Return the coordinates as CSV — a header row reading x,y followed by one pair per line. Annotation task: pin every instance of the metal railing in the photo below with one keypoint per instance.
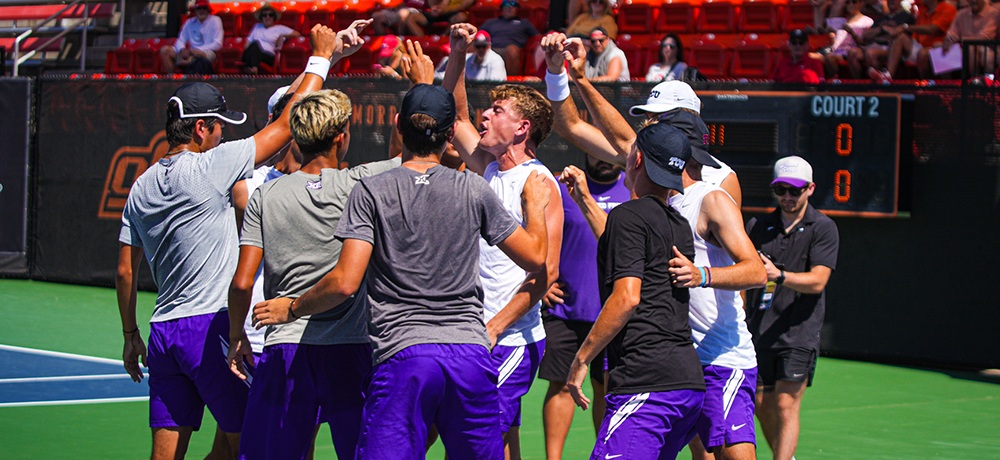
x,y
18,59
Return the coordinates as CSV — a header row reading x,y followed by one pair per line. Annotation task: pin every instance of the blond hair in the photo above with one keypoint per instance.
x,y
317,119
530,105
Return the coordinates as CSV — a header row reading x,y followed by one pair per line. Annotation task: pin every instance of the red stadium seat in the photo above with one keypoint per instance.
x,y
362,60
636,49
756,55
292,19
120,59
637,16
433,46
528,66
293,56
313,17
228,58
146,57
342,19
678,16
798,14
711,54
761,15
230,22
480,13
538,15
718,16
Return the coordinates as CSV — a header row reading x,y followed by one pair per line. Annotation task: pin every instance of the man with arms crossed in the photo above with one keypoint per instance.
x,y
786,326
503,152
179,213
725,262
655,383
416,230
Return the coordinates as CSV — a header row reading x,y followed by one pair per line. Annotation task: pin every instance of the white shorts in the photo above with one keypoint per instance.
x,y
912,58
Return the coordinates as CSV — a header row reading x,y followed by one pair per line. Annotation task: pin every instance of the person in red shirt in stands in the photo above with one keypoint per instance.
x,y
912,43
800,67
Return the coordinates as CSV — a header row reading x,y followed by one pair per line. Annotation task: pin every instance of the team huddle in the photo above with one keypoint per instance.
x,y
410,298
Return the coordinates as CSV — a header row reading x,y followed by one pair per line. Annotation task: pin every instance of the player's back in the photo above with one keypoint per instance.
x,y
180,211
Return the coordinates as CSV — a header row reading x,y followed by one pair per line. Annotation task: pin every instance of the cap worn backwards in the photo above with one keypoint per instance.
x,y
430,100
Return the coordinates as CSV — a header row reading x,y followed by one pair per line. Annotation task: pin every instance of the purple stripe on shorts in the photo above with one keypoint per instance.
x,y
727,414
653,425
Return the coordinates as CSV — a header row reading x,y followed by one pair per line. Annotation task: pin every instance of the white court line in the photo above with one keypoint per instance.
x,y
74,401
65,378
58,354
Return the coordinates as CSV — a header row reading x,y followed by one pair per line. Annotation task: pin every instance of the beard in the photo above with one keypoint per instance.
x,y
603,172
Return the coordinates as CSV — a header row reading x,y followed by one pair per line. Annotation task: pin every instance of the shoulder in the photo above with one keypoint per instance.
x,y
488,25
822,222
214,20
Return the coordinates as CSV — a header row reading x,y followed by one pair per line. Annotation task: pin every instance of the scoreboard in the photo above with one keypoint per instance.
x,y
850,139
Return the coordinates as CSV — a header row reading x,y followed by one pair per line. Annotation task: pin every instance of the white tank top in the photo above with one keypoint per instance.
x,y
718,322
715,176
501,277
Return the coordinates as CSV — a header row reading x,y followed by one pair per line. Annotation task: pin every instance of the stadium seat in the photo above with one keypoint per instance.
x,y
528,66
342,19
313,17
798,14
538,15
755,55
678,16
146,57
636,49
718,16
120,59
433,46
637,16
761,15
230,22
228,58
293,56
711,54
247,21
480,13
362,60
292,19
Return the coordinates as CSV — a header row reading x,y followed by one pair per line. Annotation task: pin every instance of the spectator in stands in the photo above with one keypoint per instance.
x,y
600,16
484,64
605,61
800,67
393,17
200,38
450,11
266,37
912,45
671,66
847,38
390,58
509,34
878,37
977,22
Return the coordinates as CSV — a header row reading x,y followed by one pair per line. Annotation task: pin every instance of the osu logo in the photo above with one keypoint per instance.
x,y
128,164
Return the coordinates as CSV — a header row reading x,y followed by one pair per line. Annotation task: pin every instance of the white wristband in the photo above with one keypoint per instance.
x,y
319,66
557,86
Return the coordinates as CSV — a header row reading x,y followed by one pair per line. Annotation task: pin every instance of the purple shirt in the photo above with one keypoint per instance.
x,y
578,261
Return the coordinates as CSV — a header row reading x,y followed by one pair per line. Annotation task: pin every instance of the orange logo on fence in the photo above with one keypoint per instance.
x,y
127,165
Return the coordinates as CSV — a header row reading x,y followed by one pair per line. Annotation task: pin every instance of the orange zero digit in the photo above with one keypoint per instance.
x,y
842,185
845,136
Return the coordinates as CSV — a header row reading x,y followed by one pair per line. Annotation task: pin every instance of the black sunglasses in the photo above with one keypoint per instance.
x,y
670,45
268,15
203,8
780,190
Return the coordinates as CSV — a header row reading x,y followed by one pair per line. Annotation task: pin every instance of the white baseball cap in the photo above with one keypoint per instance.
x,y
794,171
668,96
275,98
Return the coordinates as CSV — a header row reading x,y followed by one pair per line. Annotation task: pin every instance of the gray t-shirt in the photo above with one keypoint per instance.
x,y
180,212
293,218
423,277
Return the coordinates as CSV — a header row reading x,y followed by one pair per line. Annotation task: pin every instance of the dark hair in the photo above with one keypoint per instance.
x,y
181,130
279,107
680,47
416,141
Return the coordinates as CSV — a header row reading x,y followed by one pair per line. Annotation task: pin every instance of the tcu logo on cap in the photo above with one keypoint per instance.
x,y
655,94
676,163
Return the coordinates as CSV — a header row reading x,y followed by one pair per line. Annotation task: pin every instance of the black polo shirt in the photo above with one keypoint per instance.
x,y
794,319
654,351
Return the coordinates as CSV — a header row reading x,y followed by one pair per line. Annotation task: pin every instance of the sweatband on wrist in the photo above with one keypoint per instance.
x,y
290,312
704,277
557,86
319,66
709,271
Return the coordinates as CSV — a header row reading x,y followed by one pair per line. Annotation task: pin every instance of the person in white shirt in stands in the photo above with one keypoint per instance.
x,y
484,64
605,61
265,39
671,65
195,48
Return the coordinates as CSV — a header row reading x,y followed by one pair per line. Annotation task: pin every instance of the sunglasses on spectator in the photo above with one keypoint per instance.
x,y
203,8
780,190
268,15
672,46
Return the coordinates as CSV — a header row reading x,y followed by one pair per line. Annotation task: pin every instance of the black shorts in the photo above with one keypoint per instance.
x,y
791,364
562,340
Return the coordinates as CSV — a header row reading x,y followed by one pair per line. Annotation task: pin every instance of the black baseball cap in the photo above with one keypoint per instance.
x,y
666,151
697,133
430,100
798,35
201,100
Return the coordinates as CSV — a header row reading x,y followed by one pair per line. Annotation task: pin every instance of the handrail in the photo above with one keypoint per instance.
x,y
18,59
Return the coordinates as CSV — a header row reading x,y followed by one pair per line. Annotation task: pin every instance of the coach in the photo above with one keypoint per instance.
x,y
798,246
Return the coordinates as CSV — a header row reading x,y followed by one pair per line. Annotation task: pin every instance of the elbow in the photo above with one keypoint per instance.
x,y
816,288
241,287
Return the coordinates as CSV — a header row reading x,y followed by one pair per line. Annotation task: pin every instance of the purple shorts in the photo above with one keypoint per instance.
x,y
452,386
648,425
188,369
727,414
517,367
293,381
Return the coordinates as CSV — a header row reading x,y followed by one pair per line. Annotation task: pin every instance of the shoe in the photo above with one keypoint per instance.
x,y
879,76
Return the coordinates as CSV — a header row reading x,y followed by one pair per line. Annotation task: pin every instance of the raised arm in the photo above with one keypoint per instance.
x,y
568,123
607,119
536,284
126,287
528,246
326,45
466,140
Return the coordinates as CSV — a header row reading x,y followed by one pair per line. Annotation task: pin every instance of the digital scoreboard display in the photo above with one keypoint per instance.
x,y
850,139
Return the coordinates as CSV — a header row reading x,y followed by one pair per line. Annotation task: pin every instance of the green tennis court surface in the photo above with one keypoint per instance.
x,y
854,410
